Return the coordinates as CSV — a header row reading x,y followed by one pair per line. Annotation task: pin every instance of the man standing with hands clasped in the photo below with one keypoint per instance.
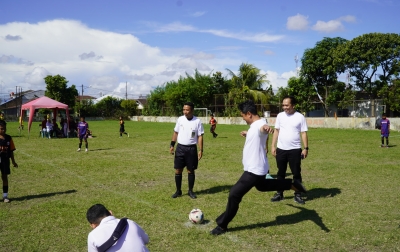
x,y
290,125
188,132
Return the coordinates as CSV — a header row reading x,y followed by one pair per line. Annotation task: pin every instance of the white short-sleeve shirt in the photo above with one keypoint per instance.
x,y
254,158
134,238
290,126
188,130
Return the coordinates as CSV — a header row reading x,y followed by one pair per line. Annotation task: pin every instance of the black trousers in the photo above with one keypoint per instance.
x,y
243,185
293,157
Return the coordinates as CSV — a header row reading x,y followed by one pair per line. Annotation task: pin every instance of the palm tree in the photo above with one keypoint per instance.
x,y
247,84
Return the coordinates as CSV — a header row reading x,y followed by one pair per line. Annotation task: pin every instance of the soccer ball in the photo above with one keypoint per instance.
x,y
196,216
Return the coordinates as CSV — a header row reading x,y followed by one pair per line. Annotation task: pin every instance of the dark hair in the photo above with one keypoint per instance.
x,y
82,116
248,106
383,114
96,213
3,124
291,98
190,104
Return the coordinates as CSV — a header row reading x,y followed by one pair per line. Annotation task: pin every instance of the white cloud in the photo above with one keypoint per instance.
x,y
328,27
297,23
269,52
35,78
73,50
333,25
252,37
278,80
197,14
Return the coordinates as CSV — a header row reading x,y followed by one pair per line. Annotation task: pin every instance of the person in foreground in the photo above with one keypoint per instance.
x,y
188,132
7,149
133,238
290,125
255,165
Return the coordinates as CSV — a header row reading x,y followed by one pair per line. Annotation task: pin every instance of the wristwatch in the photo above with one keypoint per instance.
x,y
306,148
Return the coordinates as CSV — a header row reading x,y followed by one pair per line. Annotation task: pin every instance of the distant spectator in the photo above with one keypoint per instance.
x,y
49,128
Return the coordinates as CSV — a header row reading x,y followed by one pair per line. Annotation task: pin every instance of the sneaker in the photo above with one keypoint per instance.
x,y
86,150
6,200
269,176
128,134
299,186
191,194
387,146
277,197
79,149
298,199
218,231
177,194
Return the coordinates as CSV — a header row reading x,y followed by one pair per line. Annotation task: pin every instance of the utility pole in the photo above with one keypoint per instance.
x,y
296,59
126,90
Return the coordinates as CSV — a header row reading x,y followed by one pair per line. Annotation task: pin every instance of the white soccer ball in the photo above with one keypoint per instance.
x,y
196,216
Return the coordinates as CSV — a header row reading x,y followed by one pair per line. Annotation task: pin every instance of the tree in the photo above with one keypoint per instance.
x,y
109,107
368,54
391,95
56,88
317,66
129,107
247,84
303,93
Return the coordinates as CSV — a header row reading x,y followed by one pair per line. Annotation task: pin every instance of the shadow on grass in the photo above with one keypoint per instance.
x,y
317,193
100,149
303,215
216,189
44,195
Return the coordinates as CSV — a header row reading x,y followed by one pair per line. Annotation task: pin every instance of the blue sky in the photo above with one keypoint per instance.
x,y
108,45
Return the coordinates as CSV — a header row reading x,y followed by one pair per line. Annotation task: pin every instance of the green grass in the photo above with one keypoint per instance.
x,y
352,203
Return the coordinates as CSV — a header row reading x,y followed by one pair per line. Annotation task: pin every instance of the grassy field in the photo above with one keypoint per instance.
x,y
352,203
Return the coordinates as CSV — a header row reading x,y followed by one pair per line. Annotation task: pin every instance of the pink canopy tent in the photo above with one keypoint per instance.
x,y
43,102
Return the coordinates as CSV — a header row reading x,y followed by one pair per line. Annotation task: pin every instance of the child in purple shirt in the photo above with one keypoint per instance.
x,y
385,130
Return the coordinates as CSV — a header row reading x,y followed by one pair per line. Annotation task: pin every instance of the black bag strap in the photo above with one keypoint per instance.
x,y
119,230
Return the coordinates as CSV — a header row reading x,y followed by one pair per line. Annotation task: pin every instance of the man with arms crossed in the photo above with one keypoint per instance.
x,y
188,132
289,126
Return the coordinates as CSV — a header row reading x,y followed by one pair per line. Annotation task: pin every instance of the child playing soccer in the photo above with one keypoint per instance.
x,y
385,130
83,130
122,127
6,153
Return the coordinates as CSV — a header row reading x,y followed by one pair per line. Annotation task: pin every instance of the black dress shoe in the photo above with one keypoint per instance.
x,y
192,195
177,194
298,199
277,197
218,231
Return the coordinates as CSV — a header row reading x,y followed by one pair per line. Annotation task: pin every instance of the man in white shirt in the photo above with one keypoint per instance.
x,y
255,166
290,125
189,133
133,239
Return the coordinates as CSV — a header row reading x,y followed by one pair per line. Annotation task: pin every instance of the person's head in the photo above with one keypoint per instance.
x,y
120,118
3,127
212,116
96,213
82,118
248,111
288,104
188,108
383,115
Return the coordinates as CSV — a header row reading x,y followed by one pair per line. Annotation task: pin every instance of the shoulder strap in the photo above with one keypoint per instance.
x,y
119,230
